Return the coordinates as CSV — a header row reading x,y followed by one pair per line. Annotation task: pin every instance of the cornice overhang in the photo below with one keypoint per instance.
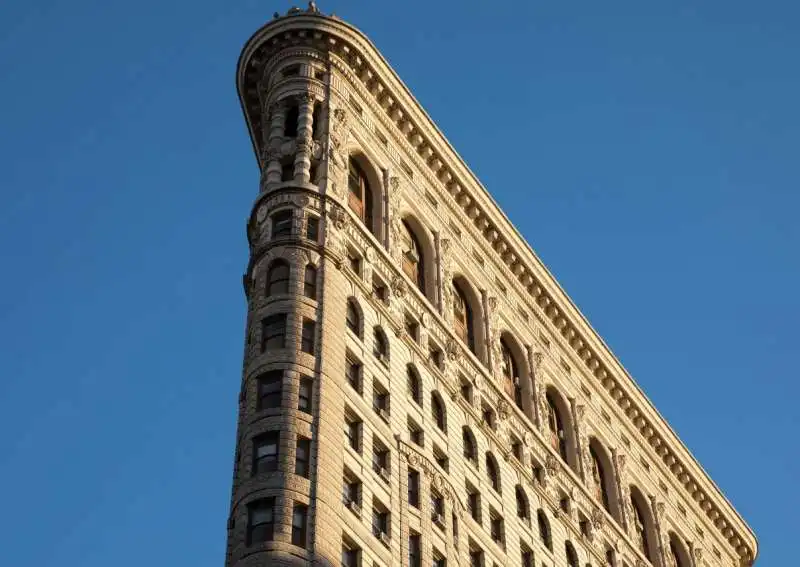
x,y
453,175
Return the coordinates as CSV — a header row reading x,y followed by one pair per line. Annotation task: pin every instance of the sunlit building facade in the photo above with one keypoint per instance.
x,y
417,389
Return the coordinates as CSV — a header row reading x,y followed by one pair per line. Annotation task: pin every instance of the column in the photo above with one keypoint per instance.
x,y
272,162
578,426
304,142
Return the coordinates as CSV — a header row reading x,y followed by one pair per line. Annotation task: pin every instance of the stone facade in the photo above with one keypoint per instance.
x,y
416,386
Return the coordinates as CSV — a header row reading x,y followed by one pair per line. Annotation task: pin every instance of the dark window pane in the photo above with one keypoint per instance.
x,y
282,224
273,332
304,395
270,390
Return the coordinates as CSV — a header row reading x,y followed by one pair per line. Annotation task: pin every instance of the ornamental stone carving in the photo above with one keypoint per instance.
x,y
598,518
399,287
453,350
447,279
339,217
551,465
503,410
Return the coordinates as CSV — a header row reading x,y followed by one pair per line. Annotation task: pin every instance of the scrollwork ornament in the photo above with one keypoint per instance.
x,y
698,553
551,465
598,518
503,410
538,357
399,287
453,350
339,217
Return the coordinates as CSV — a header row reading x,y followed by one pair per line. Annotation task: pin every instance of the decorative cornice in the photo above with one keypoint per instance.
x,y
451,175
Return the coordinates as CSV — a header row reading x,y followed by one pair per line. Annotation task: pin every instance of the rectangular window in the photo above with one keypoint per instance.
x,y
351,555
353,371
497,528
260,521
273,332
475,555
270,389
474,503
414,550
265,452
438,559
352,433
415,433
516,449
299,524
413,488
380,521
351,491
312,228
526,556
304,394
302,456
436,356
307,339
379,289
441,458
282,223
380,401
310,282
466,390
355,264
380,459
316,113
437,509
412,328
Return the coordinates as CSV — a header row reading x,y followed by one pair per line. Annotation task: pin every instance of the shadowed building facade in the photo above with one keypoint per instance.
x,y
417,389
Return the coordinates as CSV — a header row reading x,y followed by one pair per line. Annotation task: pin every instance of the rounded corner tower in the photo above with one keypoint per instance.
x,y
417,389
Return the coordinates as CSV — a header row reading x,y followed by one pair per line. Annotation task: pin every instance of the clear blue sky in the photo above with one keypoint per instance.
x,y
647,150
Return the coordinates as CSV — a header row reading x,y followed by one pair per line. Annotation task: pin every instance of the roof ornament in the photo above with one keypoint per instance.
x,y
312,8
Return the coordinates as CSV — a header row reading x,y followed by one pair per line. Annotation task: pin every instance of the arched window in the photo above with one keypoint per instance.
x,y
572,556
493,472
511,379
310,282
470,446
413,258
278,278
414,386
640,526
353,319
677,555
462,317
523,509
438,412
359,193
544,529
558,436
599,478
380,346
